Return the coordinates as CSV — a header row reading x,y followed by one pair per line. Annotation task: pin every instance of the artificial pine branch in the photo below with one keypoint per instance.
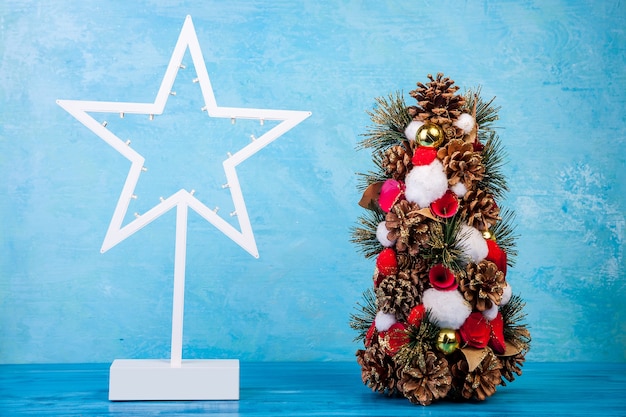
x,y
390,117
421,339
494,159
515,331
365,235
371,177
365,315
445,245
486,111
504,231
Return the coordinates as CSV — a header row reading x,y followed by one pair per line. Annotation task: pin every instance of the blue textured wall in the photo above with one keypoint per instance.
x,y
556,67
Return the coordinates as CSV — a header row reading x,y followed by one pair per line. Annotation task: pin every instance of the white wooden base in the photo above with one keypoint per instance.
x,y
155,379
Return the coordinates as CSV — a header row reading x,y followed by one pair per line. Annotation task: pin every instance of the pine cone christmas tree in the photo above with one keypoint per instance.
x,y
441,322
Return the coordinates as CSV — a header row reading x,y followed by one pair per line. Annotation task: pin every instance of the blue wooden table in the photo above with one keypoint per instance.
x,y
315,389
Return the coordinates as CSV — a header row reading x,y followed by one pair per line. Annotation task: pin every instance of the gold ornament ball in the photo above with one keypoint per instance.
x,y
487,234
448,340
429,134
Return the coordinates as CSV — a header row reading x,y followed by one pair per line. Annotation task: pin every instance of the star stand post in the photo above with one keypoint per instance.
x,y
175,378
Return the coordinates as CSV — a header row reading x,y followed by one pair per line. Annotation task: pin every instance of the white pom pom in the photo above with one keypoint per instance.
x,y
459,189
426,183
506,295
472,243
465,122
411,129
384,321
381,235
491,313
447,308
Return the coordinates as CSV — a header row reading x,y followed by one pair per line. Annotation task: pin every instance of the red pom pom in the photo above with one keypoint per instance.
x,y
386,262
478,146
394,338
496,340
441,278
496,255
445,206
424,155
416,315
390,192
476,330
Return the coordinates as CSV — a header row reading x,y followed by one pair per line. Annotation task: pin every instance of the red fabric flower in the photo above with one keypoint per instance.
x,y
476,331
496,255
445,206
416,315
390,192
394,338
424,155
386,262
441,278
496,340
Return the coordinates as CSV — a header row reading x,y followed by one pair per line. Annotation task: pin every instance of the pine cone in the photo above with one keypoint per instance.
x,y
425,379
482,285
437,99
378,371
397,296
462,163
396,162
511,365
414,269
480,209
481,382
408,227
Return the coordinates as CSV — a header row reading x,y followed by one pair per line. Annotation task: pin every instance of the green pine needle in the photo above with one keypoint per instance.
x,y
515,331
504,232
445,245
494,159
371,177
365,235
365,314
390,117
486,111
421,339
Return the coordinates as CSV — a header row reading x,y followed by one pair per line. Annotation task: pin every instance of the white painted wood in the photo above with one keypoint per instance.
x,y
156,379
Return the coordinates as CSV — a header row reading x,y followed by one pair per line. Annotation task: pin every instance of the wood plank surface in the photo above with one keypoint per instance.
x,y
315,389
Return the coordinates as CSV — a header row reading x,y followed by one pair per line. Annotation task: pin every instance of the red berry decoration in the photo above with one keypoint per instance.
x,y
386,262
416,315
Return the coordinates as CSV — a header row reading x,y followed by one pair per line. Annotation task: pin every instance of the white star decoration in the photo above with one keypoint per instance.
x,y
117,232
182,199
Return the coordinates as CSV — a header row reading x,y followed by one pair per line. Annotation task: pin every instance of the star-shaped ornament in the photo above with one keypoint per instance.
x,y
182,199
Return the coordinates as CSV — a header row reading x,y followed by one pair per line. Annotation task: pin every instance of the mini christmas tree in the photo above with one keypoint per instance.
x,y
441,321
